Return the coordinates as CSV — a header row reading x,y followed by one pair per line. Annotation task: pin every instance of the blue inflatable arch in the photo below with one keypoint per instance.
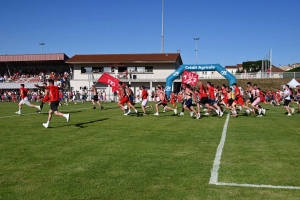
x,y
198,67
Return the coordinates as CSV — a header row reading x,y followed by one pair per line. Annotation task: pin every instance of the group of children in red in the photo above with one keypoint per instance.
x,y
51,95
210,98
217,99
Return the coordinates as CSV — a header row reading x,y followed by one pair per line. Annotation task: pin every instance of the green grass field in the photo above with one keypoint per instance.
x,y
101,154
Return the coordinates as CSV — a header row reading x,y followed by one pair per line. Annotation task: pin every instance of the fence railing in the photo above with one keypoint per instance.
x,y
206,75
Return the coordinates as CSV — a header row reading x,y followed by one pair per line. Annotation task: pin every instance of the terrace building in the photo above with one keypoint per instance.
x,y
135,69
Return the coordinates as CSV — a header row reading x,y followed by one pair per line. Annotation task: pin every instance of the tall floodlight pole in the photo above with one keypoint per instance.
x,y
162,28
42,44
196,39
271,63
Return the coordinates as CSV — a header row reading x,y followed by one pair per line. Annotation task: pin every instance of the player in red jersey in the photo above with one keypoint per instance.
x,y
203,98
54,102
123,98
173,99
144,97
212,102
24,99
46,97
238,99
124,93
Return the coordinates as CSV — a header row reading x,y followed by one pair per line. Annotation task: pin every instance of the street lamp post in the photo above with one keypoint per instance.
x,y
196,39
42,44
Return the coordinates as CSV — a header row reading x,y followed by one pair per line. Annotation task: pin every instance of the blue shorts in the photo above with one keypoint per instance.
x,y
188,102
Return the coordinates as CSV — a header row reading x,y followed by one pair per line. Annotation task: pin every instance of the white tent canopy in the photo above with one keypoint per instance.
x,y
293,83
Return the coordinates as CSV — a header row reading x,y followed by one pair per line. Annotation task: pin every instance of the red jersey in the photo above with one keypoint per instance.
x,y
203,92
53,93
237,92
23,92
211,92
13,95
179,97
144,94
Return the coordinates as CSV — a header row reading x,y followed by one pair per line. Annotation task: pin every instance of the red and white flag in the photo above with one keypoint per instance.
x,y
189,78
109,80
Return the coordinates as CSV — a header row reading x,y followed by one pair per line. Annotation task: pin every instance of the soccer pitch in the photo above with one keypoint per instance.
x,y
101,154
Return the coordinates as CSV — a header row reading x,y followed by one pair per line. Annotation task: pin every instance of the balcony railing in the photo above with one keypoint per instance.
x,y
209,75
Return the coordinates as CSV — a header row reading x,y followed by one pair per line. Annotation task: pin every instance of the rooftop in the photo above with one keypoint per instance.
x,y
126,58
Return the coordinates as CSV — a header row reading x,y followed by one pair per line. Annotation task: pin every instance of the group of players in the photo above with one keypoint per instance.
x,y
211,99
51,95
214,100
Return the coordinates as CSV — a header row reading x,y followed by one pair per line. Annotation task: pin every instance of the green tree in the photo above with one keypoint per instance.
x,y
253,66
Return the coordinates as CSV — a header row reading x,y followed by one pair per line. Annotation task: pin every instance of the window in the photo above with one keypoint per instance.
x,y
107,69
97,69
140,69
122,69
149,69
131,68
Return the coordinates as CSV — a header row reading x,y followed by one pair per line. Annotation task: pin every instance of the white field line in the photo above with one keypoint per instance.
x,y
35,113
217,162
259,186
216,166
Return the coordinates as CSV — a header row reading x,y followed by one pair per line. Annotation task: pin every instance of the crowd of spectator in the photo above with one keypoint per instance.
x,y
24,75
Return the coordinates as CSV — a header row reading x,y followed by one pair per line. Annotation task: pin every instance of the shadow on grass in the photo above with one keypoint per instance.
x,y
82,124
65,112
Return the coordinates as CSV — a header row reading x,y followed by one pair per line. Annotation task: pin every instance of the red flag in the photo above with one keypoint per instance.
x,y
109,80
189,78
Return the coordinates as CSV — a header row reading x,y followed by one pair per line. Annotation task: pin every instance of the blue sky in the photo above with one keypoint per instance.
x,y
230,31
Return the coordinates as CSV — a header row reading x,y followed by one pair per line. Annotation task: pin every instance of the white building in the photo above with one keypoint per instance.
x,y
135,69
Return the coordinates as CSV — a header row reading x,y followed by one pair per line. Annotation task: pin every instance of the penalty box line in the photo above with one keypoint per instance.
x,y
216,166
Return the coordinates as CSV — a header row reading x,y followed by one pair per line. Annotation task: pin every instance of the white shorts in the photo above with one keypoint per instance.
x,y
74,97
256,102
25,101
144,102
